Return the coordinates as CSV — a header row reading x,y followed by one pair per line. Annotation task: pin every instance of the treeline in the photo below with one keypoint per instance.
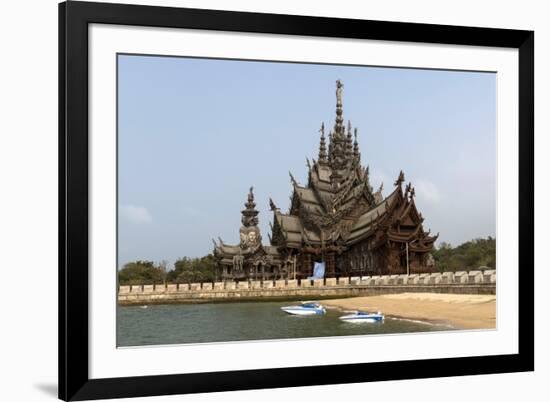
x,y
470,255
185,270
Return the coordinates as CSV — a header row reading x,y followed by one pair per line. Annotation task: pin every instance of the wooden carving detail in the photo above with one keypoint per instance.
x,y
337,217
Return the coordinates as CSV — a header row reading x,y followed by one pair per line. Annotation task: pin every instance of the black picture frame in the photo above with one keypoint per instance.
x,y
74,381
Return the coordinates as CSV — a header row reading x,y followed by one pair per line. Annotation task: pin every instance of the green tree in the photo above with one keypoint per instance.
x,y
140,273
469,255
193,270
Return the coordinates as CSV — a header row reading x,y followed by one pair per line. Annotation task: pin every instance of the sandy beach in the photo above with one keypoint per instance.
x,y
461,311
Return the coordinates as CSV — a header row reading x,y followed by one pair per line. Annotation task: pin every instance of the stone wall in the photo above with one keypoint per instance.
x,y
472,282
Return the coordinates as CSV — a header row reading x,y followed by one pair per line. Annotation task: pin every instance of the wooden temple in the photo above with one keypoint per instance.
x,y
336,218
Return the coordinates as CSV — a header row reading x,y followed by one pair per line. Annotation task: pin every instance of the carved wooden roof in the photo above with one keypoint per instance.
x,y
338,205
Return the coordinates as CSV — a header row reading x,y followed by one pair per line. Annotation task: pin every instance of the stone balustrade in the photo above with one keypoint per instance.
x,y
475,281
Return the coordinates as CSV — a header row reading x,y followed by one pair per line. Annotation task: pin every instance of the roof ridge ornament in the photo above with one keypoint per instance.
x,y
293,180
400,179
272,205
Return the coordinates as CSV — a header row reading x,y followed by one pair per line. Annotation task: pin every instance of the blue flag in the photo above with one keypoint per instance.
x,y
318,271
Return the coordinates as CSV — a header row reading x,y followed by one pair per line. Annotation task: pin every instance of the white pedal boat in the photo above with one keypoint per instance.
x,y
363,316
306,308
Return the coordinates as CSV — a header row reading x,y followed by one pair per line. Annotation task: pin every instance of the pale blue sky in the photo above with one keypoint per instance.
x,y
195,134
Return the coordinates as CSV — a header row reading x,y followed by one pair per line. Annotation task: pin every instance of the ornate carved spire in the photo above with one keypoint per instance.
x,y
408,189
322,145
250,214
400,179
330,147
356,153
339,125
349,143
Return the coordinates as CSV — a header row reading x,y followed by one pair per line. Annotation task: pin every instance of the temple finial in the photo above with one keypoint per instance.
x,y
322,145
250,201
250,214
339,125
400,179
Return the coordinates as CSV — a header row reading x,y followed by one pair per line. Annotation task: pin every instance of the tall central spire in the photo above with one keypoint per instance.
x,y
250,213
339,125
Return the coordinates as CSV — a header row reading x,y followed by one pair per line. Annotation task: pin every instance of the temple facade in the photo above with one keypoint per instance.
x,y
336,218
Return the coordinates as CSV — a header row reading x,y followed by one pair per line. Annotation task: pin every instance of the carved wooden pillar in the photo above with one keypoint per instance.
x,y
306,268
330,265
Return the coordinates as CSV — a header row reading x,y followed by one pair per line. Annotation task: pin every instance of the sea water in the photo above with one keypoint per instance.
x,y
224,322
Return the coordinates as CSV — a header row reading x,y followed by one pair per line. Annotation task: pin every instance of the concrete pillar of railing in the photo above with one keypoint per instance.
x,y
433,279
305,283
375,280
292,283
460,277
122,290
402,279
385,280
343,281
365,280
475,277
412,279
330,282
421,279
393,279
487,275
447,277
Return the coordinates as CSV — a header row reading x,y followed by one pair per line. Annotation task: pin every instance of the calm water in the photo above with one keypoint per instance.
x,y
195,323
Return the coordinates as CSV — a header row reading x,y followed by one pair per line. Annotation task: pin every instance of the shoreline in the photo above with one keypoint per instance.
x,y
460,311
